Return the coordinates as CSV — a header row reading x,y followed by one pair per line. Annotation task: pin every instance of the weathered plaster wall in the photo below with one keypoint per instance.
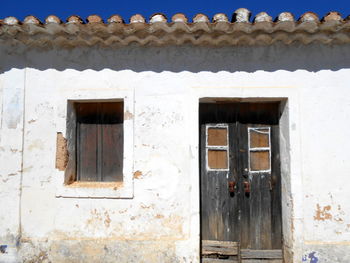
x,y
11,143
159,220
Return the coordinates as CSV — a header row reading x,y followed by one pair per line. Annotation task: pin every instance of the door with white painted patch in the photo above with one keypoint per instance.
x,y
240,183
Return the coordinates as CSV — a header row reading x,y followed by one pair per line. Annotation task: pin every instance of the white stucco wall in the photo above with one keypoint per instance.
x,y
159,220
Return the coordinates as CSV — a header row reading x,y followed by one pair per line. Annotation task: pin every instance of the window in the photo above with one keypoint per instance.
x,y
97,143
259,150
217,147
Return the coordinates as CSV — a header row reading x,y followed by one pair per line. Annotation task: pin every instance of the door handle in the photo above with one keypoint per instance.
x,y
231,186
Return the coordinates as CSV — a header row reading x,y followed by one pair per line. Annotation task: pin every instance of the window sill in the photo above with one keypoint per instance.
x,y
107,190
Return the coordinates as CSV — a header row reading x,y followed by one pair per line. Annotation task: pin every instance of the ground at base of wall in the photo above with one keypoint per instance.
x,y
162,251
93,251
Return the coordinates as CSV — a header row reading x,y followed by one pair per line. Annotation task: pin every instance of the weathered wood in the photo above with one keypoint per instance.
x,y
217,260
221,251
87,149
216,243
253,218
261,254
261,261
71,170
244,198
218,207
226,248
276,204
100,141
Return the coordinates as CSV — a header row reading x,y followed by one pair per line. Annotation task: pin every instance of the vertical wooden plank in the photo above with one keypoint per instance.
x,y
112,141
244,199
255,212
276,204
263,222
99,124
233,207
112,152
265,204
87,141
87,149
71,134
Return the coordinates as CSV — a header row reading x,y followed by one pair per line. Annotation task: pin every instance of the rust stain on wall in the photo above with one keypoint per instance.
x,y
61,152
137,174
323,213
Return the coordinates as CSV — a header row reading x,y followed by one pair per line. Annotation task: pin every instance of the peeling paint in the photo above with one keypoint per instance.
x,y
137,174
128,115
323,214
62,155
163,208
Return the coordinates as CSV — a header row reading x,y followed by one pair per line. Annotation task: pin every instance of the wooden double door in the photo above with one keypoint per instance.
x,y
240,192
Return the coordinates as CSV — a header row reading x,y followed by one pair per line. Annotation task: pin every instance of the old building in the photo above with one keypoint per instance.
x,y
158,141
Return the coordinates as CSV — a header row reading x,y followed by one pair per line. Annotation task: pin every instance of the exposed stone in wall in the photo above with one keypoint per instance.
x,y
61,152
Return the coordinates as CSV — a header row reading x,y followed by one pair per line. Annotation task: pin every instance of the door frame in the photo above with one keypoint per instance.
x,y
291,245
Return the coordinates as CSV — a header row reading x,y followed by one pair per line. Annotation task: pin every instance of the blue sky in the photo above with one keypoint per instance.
x,y
105,8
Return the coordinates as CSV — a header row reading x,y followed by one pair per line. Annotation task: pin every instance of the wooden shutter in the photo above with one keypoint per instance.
x,y
100,141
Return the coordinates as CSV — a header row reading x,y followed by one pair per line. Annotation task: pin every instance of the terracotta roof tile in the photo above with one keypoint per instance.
x,y
31,20
241,15
53,19
218,31
262,17
200,18
94,19
332,16
137,19
158,17
285,16
11,20
115,19
220,18
309,17
74,20
181,18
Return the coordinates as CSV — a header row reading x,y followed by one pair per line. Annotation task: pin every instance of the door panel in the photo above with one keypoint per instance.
x,y
241,202
218,206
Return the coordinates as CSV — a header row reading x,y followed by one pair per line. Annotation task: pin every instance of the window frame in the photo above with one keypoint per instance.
x,y
259,149
217,147
69,187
